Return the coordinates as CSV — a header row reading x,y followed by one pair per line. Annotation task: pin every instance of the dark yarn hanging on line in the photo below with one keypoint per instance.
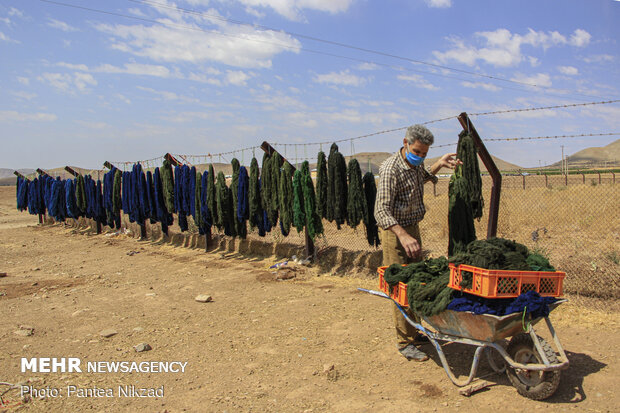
x,y
321,185
224,217
240,227
164,217
192,191
299,214
243,206
80,195
286,198
336,187
265,178
181,181
197,215
151,197
205,212
71,206
58,208
314,224
33,197
461,230
274,199
254,193
22,193
466,151
370,193
356,199
212,198
168,186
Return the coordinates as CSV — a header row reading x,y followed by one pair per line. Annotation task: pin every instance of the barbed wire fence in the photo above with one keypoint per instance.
x,y
571,219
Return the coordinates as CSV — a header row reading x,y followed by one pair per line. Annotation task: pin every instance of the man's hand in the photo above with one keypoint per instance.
x,y
410,244
447,161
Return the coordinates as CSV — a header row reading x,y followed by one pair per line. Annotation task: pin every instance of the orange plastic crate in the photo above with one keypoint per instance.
x,y
398,293
506,283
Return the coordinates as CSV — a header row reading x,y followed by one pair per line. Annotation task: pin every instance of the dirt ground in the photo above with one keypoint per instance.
x,y
312,343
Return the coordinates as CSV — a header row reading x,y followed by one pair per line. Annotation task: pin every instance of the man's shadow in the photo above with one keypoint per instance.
x,y
570,389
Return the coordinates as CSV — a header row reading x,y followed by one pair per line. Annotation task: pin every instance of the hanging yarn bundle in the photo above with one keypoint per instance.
x,y
240,227
192,191
321,185
265,179
150,192
205,214
460,216
370,192
168,185
466,151
80,195
212,197
22,193
356,199
179,198
256,209
314,224
299,215
243,202
286,198
274,186
164,217
197,210
224,218
71,206
58,207
336,187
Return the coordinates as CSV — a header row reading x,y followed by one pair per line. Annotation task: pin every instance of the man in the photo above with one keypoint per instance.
x,y
399,208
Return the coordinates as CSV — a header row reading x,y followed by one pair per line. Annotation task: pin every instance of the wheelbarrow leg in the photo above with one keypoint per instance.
x,y
446,367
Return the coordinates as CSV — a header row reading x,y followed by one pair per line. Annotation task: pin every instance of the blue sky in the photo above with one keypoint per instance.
x,y
78,87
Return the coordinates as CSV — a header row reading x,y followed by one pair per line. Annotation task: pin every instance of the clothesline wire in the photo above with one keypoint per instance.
x,y
285,145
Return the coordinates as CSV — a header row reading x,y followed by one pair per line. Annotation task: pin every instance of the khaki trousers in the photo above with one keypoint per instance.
x,y
394,253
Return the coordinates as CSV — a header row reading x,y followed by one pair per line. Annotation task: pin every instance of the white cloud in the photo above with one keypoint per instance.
x,y
15,12
5,38
166,95
501,48
486,86
539,79
212,40
533,61
580,38
237,77
123,98
439,3
568,70
92,125
11,115
68,82
293,9
24,95
5,20
344,78
60,25
600,58
135,69
418,81
23,80
72,66
367,66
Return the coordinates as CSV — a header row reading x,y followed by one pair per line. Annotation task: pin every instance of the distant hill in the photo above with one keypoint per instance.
x,y
8,173
608,155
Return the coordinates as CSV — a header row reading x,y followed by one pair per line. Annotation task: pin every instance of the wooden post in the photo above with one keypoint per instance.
x,y
613,177
71,171
523,176
599,177
546,181
583,177
493,171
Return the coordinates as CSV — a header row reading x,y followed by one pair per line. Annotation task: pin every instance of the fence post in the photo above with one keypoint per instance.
x,y
434,189
546,181
599,177
613,175
566,179
584,178
523,176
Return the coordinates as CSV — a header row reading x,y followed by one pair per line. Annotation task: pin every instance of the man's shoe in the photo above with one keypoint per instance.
x,y
413,353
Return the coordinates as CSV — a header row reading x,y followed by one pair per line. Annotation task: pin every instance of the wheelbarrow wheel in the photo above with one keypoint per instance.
x,y
536,385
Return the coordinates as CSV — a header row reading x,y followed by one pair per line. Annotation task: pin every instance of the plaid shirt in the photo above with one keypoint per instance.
x,y
400,192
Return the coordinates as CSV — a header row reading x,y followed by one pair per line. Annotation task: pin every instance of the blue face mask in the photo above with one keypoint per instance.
x,y
413,159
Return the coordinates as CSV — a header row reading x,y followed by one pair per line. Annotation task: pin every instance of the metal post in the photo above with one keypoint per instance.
x,y
523,176
546,181
493,171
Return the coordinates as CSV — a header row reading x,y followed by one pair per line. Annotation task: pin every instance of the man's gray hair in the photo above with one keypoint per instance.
x,y
419,133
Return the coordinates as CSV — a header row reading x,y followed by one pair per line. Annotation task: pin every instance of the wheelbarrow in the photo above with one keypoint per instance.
x,y
531,364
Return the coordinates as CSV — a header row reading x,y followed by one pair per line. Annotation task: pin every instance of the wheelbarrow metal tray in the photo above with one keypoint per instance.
x,y
483,327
